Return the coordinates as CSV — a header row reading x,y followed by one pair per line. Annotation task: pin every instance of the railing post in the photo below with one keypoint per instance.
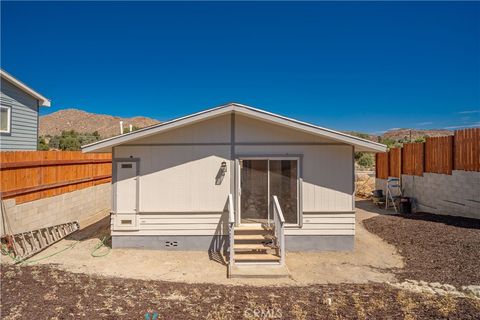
x,y
231,229
282,245
279,223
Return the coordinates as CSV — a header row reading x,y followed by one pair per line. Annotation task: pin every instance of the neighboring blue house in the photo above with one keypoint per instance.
x,y
19,110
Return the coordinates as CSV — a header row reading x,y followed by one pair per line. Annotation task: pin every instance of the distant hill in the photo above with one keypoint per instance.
x,y
403,134
399,134
85,122
108,126
362,135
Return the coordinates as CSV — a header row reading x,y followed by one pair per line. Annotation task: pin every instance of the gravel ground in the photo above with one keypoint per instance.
x,y
436,248
41,292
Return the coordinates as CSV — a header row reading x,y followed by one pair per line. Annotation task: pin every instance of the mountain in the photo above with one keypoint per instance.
x,y
107,126
85,122
404,134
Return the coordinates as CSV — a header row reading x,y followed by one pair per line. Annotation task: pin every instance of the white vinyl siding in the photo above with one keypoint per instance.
x,y
24,119
179,224
327,173
326,223
177,190
180,178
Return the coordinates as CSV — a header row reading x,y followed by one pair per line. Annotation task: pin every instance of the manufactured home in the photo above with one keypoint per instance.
x,y
234,179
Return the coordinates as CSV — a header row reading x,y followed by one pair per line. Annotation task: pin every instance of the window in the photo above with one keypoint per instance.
x,y
5,115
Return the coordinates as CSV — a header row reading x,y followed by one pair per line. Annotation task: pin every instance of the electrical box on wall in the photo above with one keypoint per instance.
x,y
125,221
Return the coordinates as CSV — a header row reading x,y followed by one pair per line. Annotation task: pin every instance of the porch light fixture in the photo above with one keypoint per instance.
x,y
221,173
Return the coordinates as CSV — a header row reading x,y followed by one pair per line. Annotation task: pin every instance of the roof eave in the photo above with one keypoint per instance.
x,y
44,102
359,143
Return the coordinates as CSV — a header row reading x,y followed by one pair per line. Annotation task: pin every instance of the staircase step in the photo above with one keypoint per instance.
x,y
259,237
252,228
252,246
253,257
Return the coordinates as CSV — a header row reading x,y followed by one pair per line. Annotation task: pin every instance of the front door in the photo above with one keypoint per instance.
x,y
260,179
126,187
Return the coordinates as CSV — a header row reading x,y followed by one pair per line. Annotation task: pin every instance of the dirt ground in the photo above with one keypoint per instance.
x,y
372,260
43,292
127,284
436,248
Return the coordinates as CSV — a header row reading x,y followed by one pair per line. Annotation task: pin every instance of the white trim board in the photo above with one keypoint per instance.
x,y
359,143
44,102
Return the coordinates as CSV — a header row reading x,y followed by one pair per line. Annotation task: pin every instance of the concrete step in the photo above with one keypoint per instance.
x,y
259,271
256,257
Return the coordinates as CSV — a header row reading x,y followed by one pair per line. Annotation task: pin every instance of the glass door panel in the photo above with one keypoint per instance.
x,y
254,191
284,185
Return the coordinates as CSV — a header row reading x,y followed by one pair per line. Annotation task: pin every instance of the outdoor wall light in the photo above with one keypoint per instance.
x,y
221,173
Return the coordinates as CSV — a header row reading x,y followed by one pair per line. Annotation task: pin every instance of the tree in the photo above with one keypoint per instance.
x,y
366,160
421,139
42,144
69,143
72,140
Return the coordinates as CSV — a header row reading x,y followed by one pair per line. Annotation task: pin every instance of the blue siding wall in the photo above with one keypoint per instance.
x,y
24,119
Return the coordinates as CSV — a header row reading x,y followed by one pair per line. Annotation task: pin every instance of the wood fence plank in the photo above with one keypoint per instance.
x,y
381,166
467,149
438,154
41,174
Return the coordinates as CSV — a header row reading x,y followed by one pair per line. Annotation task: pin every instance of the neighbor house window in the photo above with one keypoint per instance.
x,y
5,115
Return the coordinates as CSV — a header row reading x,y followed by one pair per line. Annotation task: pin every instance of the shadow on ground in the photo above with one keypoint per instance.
x,y
455,221
98,230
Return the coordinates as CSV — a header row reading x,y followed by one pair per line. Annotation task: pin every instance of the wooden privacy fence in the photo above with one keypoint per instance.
x,y
32,175
381,165
467,150
395,162
437,155
413,158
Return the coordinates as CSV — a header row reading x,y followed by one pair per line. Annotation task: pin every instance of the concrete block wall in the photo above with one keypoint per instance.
x,y
76,205
457,194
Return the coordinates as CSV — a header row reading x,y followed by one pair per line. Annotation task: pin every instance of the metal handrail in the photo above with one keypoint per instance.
x,y
279,228
231,227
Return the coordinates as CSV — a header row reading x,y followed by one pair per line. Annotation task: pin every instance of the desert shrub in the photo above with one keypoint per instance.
x,y
72,140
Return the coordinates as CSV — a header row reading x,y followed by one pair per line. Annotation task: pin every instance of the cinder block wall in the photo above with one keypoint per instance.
x,y
457,194
76,205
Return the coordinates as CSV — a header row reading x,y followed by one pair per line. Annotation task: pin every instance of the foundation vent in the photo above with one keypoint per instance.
x,y
170,244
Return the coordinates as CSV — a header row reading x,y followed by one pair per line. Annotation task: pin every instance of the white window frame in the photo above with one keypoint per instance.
x,y
9,119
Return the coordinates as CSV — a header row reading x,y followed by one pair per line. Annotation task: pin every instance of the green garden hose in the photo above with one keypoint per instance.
x,y
100,245
5,251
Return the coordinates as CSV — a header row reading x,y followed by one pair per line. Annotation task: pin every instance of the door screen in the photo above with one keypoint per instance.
x,y
262,178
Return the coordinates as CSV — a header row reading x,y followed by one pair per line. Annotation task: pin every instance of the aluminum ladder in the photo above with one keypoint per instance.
x,y
394,192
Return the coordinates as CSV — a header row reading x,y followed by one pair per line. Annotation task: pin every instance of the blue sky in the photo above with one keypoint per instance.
x,y
349,66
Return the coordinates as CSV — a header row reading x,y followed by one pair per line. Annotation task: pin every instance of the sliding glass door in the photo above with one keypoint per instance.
x,y
262,178
254,191
284,185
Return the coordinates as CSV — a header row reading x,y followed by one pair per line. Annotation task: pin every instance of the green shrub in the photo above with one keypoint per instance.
x,y
71,140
